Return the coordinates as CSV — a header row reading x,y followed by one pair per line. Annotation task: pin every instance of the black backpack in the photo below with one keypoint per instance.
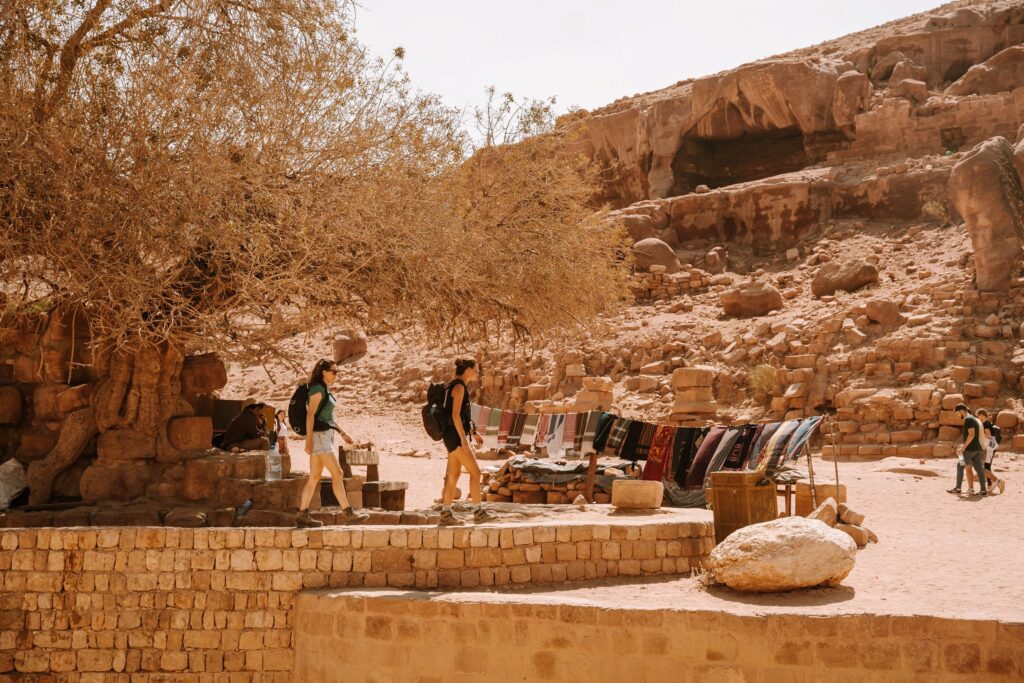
x,y
997,434
435,417
297,411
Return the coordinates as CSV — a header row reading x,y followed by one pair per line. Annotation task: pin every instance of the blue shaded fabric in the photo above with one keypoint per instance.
x,y
802,435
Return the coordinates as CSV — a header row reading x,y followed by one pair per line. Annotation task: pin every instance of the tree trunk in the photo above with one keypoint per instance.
x,y
76,431
137,396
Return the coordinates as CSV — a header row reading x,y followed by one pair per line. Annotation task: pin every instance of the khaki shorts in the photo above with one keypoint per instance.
x,y
323,442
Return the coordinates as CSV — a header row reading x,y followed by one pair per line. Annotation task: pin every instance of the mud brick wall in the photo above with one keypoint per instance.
x,y
162,604
381,635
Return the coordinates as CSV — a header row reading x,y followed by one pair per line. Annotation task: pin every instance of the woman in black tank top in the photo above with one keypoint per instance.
x,y
460,452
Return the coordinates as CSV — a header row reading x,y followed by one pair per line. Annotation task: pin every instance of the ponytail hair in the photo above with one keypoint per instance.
x,y
316,375
463,364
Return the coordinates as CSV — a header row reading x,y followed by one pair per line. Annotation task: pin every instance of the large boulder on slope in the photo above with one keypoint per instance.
x,y
783,555
848,276
749,299
654,252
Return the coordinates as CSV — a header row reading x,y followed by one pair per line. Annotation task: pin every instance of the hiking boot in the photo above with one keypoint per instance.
x,y
953,491
481,516
350,516
448,519
304,521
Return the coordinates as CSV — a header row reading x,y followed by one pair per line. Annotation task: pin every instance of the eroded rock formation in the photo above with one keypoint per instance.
x,y
986,190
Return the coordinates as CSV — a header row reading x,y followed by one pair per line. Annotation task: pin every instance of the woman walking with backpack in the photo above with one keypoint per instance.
x,y
320,428
456,440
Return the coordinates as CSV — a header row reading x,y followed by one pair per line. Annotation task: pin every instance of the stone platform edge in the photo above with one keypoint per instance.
x,y
362,635
152,601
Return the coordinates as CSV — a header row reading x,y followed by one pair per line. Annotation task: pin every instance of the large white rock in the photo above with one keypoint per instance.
x,y
783,555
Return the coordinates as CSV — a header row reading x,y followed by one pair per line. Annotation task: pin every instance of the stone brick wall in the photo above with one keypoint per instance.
x,y
384,636
161,604
648,287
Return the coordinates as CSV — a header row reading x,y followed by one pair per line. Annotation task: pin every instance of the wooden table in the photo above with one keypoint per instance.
x,y
786,491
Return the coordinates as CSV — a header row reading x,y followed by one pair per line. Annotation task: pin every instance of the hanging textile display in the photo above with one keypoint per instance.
x,y
491,433
515,434
627,450
529,437
556,440
480,421
504,427
643,444
660,452
758,449
569,431
695,475
543,431
605,424
582,422
739,452
617,434
686,455
802,435
725,447
775,449
686,443
590,433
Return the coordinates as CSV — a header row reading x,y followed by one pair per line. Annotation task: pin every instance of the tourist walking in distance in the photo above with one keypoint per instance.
x,y
990,442
456,441
320,428
970,453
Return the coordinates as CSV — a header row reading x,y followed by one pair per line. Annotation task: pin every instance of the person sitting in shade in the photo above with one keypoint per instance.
x,y
247,431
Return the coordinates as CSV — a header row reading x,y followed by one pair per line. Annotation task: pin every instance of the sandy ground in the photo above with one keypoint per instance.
x,y
938,554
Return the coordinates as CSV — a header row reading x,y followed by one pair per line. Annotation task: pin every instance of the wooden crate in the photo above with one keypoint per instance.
x,y
804,506
740,502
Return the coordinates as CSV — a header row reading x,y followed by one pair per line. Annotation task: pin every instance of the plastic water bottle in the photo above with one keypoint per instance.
x,y
273,469
243,508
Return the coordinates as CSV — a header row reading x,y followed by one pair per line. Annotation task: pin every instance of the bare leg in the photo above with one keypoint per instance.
x,y
970,477
451,478
465,458
316,468
330,461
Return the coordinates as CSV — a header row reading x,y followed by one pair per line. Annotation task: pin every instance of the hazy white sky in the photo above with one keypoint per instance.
x,y
591,52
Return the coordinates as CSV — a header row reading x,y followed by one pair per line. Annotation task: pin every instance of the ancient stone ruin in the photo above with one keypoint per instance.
x,y
835,231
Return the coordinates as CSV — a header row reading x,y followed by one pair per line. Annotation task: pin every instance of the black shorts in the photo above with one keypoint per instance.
x,y
988,466
452,442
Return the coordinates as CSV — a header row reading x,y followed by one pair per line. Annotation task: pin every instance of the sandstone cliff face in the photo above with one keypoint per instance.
x,y
813,107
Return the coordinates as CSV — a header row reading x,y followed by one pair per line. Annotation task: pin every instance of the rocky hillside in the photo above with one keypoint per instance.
x,y
822,231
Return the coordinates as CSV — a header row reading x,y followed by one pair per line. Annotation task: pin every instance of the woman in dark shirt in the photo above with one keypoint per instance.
x,y
456,441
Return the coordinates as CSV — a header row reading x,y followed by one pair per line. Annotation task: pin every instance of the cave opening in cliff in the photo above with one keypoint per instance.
x,y
753,155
